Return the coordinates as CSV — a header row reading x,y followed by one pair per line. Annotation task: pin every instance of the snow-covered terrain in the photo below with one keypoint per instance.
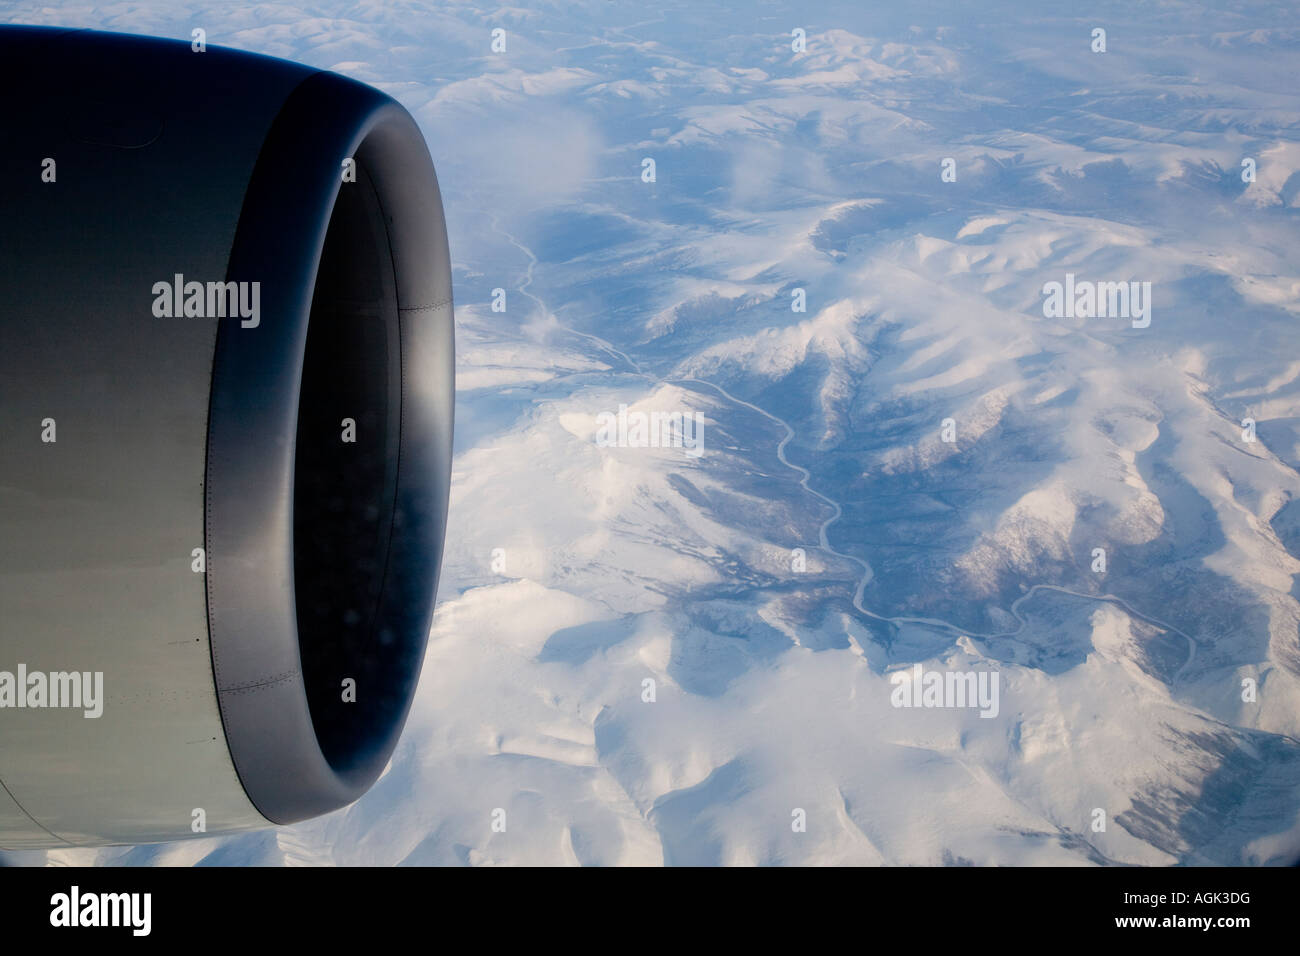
x,y
779,586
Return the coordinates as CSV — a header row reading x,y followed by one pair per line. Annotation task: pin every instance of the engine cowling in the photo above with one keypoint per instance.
x,y
226,402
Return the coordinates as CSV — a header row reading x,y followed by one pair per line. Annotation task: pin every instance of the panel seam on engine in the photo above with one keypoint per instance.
x,y
23,810
259,684
425,308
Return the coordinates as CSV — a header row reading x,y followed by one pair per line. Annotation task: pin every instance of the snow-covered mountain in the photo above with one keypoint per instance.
x,y
648,652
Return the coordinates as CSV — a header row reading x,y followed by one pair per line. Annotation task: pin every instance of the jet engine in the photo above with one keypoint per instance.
x,y
226,401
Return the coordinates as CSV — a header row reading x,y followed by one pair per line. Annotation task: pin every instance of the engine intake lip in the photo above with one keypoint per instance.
x,y
295,756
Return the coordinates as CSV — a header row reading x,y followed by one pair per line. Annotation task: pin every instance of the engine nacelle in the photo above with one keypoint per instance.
x,y
226,397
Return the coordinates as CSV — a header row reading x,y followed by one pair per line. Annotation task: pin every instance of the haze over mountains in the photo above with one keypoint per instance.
x,y
829,537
